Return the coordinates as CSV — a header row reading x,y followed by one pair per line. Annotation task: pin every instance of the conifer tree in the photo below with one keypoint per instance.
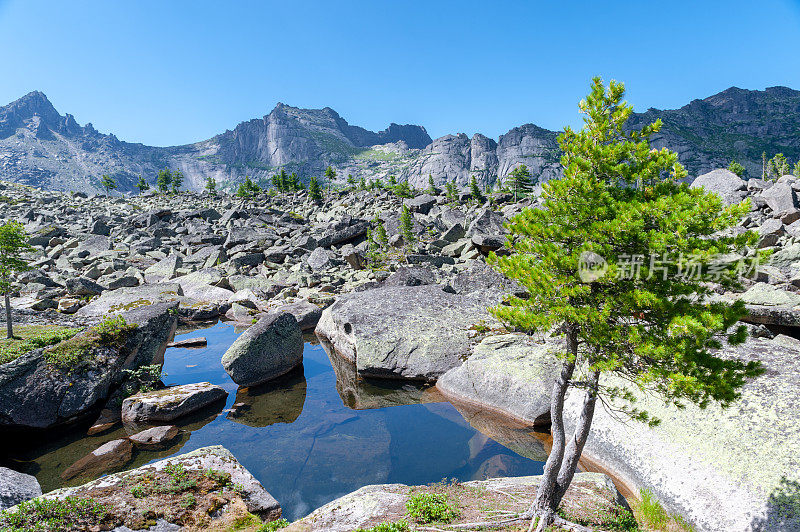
x,y
764,165
407,227
737,169
164,180
211,185
108,183
431,185
392,181
652,329
314,190
351,181
475,190
452,191
13,242
797,170
520,181
330,174
142,185
177,181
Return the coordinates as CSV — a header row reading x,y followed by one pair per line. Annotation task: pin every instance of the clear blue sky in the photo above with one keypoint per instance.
x,y
171,72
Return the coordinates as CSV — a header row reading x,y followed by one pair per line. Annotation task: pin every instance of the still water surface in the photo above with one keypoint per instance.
x,y
310,437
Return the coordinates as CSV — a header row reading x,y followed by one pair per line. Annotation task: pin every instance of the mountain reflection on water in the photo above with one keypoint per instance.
x,y
315,434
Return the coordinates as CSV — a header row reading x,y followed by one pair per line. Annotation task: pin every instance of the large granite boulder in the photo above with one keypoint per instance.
x,y
16,487
724,183
509,373
36,393
734,469
409,332
128,298
270,348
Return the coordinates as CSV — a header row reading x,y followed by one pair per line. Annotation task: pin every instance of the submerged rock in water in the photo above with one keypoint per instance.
x,y
270,348
510,373
170,403
410,332
108,456
16,487
155,436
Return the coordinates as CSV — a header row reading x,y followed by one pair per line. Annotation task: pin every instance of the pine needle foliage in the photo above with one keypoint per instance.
x,y
620,198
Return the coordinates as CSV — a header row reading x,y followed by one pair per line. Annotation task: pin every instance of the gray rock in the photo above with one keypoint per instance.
x,y
509,373
268,349
124,299
781,197
487,222
170,403
411,276
727,185
422,203
764,294
306,313
80,286
16,487
321,259
409,332
155,436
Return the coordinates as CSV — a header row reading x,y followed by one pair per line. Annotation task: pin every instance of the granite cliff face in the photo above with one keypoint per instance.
x,y
39,146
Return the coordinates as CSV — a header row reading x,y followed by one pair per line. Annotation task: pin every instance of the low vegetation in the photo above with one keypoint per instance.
x,y
653,517
431,507
30,337
71,513
399,526
74,351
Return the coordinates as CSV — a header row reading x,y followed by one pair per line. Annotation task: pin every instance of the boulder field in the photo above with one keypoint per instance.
x,y
414,310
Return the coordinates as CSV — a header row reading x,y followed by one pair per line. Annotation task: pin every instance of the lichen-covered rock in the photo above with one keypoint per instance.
x,y
410,332
170,403
204,489
510,373
734,469
129,298
270,348
727,185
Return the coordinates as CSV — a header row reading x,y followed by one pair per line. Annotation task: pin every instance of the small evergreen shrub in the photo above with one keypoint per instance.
x,y
431,507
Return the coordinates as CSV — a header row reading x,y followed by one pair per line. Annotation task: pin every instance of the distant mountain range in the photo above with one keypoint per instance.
x,y
41,147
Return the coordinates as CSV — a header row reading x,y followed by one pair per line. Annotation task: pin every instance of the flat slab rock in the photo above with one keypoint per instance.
x,y
733,469
371,505
410,332
218,505
509,373
170,403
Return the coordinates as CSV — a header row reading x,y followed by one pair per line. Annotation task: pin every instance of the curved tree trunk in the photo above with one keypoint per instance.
x,y
543,506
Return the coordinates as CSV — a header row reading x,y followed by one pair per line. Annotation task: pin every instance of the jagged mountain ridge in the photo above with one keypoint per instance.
x,y
39,146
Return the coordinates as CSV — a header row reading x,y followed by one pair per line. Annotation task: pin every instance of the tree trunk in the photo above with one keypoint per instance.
x,y
575,447
543,506
9,325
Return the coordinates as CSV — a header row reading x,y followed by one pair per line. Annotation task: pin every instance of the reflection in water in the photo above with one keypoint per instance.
x,y
359,393
310,437
278,401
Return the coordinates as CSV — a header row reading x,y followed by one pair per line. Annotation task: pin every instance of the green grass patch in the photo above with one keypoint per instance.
x,y
71,513
30,337
652,516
